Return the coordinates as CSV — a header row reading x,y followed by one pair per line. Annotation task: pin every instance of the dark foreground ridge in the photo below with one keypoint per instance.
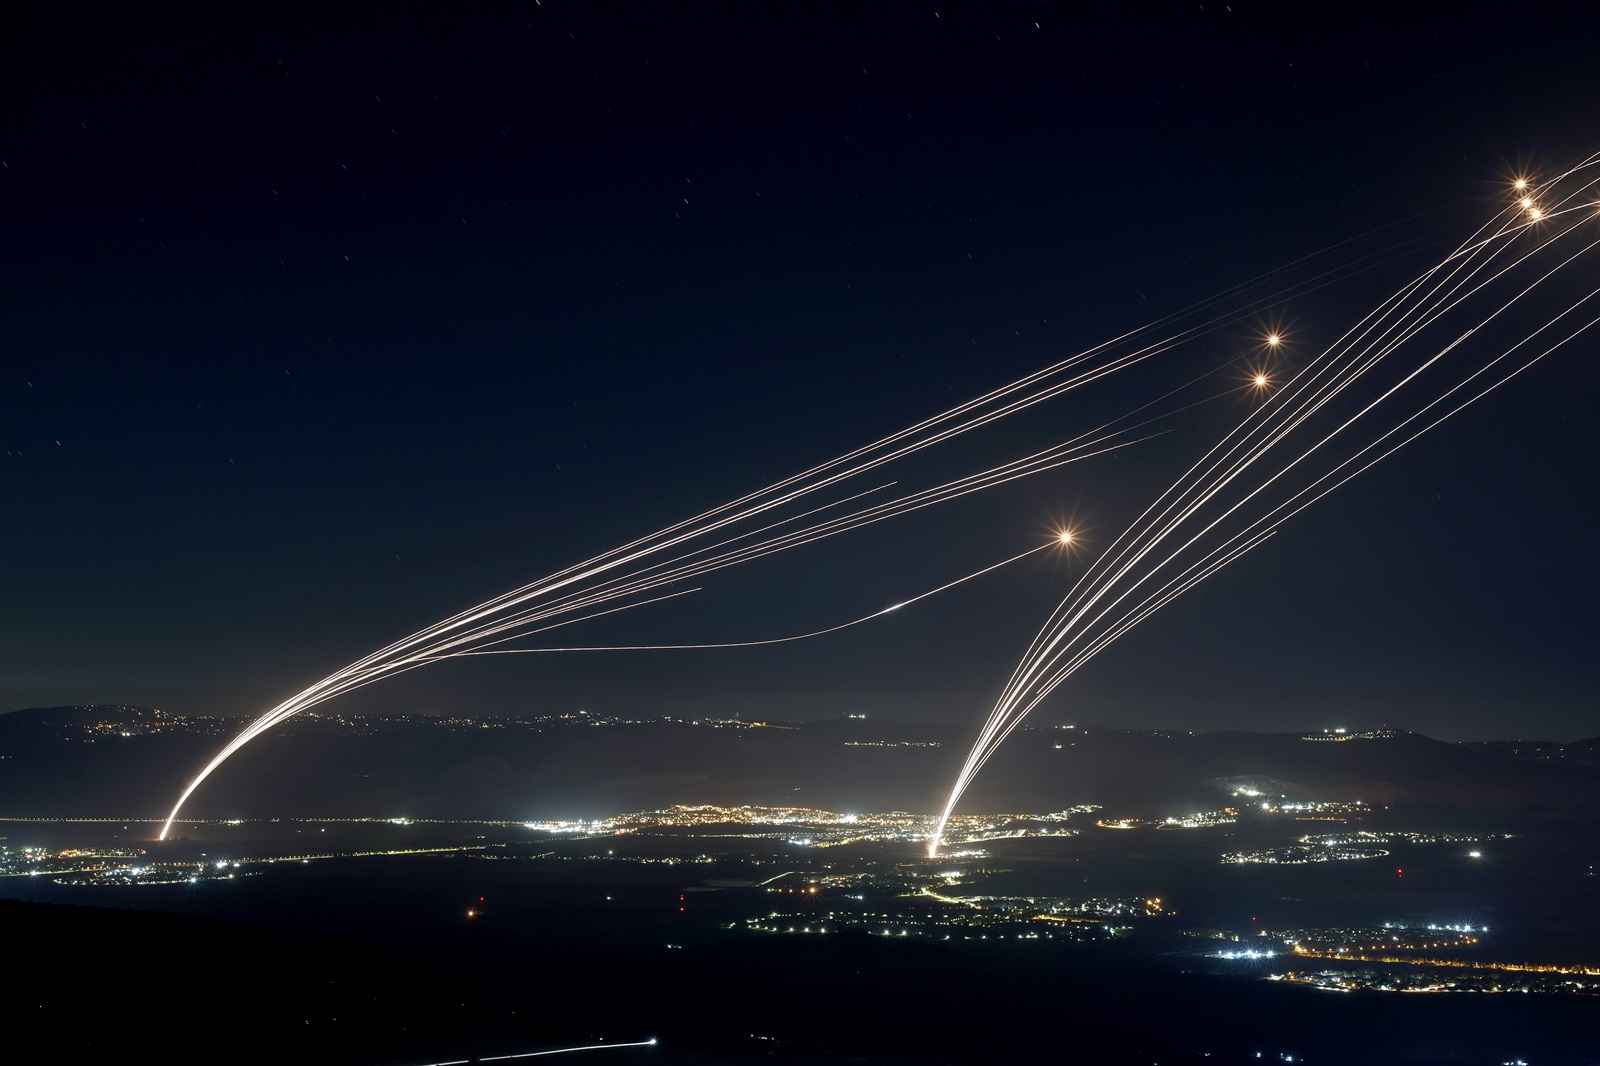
x,y
250,994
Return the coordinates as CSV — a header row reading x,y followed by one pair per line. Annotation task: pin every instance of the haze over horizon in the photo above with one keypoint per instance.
x,y
1286,727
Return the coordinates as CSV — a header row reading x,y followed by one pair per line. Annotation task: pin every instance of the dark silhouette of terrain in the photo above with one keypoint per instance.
x,y
77,761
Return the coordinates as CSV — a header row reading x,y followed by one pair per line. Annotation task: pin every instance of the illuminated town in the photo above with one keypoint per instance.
x,y
866,875
1197,820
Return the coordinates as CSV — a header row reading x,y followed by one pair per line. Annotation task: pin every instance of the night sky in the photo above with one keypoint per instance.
x,y
325,321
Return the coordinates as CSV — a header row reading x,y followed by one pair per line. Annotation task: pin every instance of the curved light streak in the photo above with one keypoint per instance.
x,y
526,610
768,521
1054,542
553,1051
1225,505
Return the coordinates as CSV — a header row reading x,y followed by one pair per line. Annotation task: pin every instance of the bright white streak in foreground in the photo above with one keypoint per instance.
x,y
1141,572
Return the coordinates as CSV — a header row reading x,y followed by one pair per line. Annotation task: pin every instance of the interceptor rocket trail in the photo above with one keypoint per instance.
x,y
1443,342
1149,565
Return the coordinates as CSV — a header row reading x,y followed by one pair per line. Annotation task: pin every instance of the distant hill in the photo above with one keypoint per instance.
x,y
84,715
1578,752
123,761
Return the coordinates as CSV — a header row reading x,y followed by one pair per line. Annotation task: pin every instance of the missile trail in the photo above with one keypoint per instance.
x,y
553,1051
1108,599
1053,543
1452,323
469,630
